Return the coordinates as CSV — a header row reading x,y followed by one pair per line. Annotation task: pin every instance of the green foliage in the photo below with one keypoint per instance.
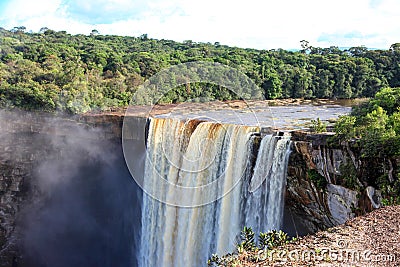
x,y
391,200
345,127
390,190
273,239
349,174
247,243
215,260
388,99
318,126
37,70
267,241
319,181
375,127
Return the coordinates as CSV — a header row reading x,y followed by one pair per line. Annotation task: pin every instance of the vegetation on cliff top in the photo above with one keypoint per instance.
x,y
374,126
53,70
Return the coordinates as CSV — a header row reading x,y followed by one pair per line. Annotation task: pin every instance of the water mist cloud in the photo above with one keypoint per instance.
x,y
81,207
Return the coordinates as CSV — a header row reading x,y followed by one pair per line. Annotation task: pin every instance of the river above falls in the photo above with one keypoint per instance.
x,y
287,115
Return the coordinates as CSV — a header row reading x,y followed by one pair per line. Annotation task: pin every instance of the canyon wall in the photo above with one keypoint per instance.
x,y
18,131
326,184
63,192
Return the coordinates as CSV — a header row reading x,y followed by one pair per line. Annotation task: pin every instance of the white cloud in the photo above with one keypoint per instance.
x,y
253,23
18,9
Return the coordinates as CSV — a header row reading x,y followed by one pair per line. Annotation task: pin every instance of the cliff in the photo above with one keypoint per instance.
x,y
326,184
27,140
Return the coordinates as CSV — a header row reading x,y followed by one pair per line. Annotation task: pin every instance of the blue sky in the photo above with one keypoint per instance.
x,y
263,24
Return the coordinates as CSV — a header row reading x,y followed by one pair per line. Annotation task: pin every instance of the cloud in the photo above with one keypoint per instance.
x,y
103,11
257,24
346,39
15,10
375,3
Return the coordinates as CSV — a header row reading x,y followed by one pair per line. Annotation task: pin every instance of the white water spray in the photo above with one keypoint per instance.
x,y
196,154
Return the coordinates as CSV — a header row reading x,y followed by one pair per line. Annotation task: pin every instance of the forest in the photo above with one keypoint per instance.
x,y
56,71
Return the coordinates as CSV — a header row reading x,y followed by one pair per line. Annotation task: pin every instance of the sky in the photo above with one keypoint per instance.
x,y
261,24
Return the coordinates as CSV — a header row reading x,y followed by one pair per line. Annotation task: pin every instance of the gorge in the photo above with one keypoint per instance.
x,y
68,192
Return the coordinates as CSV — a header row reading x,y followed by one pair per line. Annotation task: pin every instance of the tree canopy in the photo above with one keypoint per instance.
x,y
375,124
53,70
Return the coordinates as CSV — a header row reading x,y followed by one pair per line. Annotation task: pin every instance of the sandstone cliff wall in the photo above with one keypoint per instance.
x,y
327,183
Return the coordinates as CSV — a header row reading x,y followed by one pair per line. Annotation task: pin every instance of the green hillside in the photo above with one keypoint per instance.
x,y
76,73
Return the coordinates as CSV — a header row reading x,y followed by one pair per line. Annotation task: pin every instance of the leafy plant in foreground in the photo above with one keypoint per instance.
x,y
267,241
273,239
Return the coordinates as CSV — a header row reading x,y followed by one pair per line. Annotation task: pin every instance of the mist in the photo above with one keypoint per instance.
x,y
81,206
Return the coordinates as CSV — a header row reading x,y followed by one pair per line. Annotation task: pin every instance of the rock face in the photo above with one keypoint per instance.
x,y
341,202
17,157
327,185
24,143
11,196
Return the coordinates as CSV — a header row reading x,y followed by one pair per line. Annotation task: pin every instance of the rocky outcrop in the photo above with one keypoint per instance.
x,y
341,203
327,183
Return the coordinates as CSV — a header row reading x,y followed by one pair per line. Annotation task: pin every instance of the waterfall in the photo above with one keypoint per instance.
x,y
264,205
203,174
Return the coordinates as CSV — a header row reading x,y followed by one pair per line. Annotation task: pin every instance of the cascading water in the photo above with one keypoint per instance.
x,y
264,205
215,161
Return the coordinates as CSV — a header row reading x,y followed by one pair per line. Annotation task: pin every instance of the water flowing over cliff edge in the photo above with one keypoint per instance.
x,y
308,207
190,164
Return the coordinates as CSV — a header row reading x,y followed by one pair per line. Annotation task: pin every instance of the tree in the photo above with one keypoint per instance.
x,y
108,68
358,51
43,30
272,85
19,29
94,32
395,48
305,46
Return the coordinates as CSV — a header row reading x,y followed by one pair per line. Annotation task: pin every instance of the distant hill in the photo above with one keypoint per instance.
x,y
76,73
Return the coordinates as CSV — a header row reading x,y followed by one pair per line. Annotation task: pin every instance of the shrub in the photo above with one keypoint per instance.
x,y
273,239
318,126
